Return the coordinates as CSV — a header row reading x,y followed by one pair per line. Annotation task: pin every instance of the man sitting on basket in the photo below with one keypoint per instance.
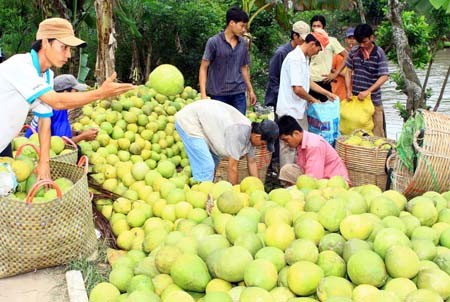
x,y
211,130
315,156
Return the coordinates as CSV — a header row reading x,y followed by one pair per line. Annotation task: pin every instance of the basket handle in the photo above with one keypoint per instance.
x,y
386,143
364,132
36,187
19,151
69,141
24,127
84,160
391,158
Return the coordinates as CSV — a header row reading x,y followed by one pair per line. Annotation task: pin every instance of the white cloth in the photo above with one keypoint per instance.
x,y
225,130
20,90
294,72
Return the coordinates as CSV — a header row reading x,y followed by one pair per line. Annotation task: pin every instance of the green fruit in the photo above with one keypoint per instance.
x,y
166,79
366,267
190,273
104,292
120,277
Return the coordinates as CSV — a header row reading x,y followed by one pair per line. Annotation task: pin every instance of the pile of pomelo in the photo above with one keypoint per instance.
x,y
316,241
137,134
183,241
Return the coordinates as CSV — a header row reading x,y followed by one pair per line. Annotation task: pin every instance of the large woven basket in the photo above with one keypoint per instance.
x,y
432,147
263,158
34,236
365,165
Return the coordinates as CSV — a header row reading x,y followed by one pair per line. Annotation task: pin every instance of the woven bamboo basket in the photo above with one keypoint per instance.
x,y
70,154
432,172
34,236
263,158
365,165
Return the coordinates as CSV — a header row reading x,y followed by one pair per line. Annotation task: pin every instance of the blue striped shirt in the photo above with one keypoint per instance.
x,y
225,62
367,72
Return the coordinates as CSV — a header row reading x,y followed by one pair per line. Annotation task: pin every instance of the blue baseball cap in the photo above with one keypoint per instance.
x,y
350,32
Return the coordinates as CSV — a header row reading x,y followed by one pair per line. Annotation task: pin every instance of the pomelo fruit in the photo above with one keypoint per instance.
x,y
422,295
309,229
104,292
279,235
166,79
230,202
232,263
332,264
401,262
251,294
435,280
140,282
332,242
303,277
401,287
363,291
367,267
356,226
218,285
120,277
273,254
388,237
261,273
217,297
333,286
190,273
332,213
250,184
301,250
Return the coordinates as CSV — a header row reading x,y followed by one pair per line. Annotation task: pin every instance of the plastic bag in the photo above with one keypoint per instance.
x,y
405,148
356,114
8,181
323,119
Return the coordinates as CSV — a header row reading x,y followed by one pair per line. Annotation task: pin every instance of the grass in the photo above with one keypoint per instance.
x,y
93,271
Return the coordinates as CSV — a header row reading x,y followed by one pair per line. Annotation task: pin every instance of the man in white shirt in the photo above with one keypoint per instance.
x,y
210,130
295,84
27,82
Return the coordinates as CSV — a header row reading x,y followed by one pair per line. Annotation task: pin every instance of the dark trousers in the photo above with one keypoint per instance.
x,y
7,151
319,96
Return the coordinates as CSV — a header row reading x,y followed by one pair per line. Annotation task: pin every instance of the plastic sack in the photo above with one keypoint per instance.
x,y
323,119
8,181
356,114
405,148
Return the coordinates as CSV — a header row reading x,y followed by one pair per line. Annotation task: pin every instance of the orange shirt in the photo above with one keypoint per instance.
x,y
338,85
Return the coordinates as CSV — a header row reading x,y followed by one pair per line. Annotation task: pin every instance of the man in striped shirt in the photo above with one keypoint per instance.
x,y
224,71
367,71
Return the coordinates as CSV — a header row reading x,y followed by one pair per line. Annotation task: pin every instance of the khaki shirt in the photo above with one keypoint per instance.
x,y
322,62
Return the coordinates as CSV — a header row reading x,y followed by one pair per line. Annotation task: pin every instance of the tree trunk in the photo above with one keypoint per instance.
x,y
413,88
107,44
135,69
362,14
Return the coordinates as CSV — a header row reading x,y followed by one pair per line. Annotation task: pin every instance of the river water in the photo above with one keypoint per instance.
x,y
391,96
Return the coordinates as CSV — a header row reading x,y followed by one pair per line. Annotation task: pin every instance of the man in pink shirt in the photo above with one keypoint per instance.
x,y
315,156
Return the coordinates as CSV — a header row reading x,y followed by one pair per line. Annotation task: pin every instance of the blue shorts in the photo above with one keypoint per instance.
x,y
203,162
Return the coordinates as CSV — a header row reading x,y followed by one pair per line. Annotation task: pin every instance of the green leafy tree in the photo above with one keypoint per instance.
x,y
418,32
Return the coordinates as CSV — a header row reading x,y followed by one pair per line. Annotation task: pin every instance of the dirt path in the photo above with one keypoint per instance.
x,y
47,285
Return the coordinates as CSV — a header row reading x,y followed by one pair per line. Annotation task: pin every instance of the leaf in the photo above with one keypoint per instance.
x,y
438,3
